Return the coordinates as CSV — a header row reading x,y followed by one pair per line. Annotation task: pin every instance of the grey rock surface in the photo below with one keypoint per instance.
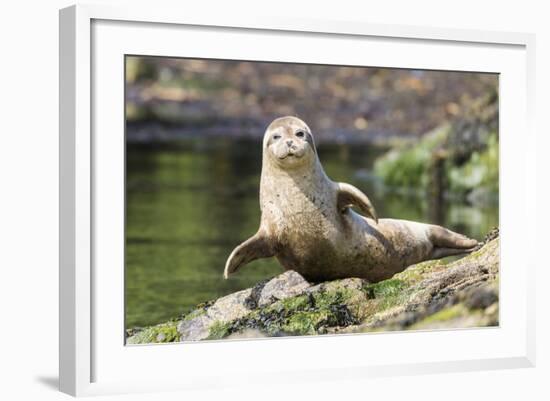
x,y
239,304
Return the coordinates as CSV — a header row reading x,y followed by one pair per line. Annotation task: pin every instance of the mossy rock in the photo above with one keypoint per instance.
x,y
432,294
161,333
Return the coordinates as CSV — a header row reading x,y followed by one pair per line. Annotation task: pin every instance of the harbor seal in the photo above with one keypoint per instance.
x,y
308,224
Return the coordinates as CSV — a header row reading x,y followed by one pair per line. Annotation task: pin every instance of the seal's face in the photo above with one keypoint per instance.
x,y
289,143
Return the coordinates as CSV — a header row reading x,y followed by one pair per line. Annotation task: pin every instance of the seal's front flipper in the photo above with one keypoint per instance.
x,y
255,247
349,196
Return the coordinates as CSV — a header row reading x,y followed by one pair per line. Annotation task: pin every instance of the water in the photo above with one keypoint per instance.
x,y
190,203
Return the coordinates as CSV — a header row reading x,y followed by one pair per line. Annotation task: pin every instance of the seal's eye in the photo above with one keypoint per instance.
x,y
300,134
275,137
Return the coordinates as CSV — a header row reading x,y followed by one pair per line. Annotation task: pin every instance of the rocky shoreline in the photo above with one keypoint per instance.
x,y
430,295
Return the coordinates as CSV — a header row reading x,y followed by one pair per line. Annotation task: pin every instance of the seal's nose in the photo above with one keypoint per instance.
x,y
289,142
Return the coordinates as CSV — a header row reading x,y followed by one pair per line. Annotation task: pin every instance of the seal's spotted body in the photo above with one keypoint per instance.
x,y
308,225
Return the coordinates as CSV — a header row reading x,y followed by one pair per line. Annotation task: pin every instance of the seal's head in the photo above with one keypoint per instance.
x,y
288,143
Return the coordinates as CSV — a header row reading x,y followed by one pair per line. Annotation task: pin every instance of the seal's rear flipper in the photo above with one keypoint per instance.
x,y
256,247
349,196
447,242
438,253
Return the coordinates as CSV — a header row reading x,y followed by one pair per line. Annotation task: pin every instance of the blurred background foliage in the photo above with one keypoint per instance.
x,y
344,104
422,144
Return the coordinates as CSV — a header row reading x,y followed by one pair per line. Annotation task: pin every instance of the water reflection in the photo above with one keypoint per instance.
x,y
190,203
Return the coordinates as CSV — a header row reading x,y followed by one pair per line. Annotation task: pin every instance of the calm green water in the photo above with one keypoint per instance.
x,y
189,204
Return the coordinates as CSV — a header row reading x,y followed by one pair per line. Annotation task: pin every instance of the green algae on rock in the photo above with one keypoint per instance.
x,y
429,295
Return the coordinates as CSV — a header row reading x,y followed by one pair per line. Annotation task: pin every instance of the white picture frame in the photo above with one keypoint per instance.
x,y
91,40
